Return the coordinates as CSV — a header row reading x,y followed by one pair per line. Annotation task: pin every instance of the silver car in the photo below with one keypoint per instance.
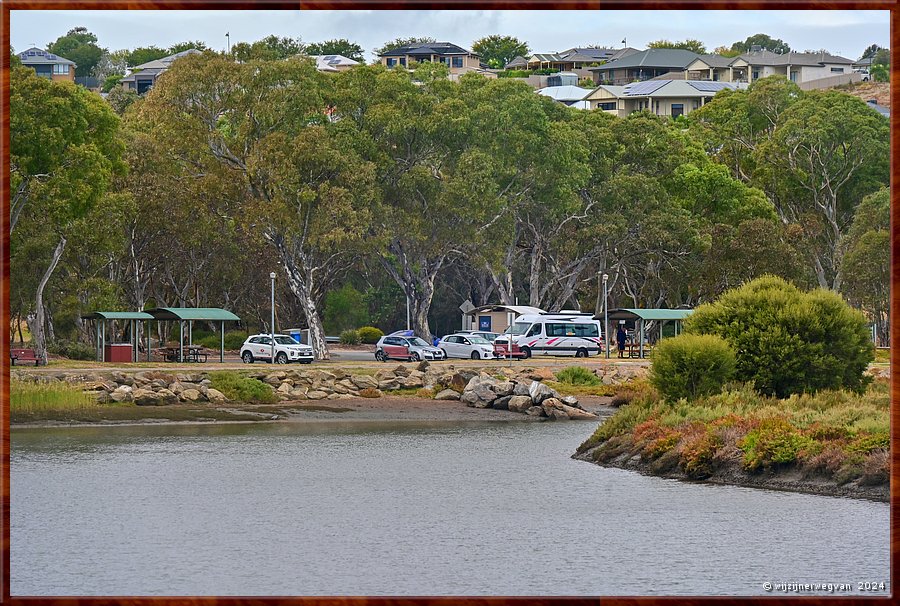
x,y
462,345
259,347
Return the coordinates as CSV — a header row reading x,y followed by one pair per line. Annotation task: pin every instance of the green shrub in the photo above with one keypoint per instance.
x,y
369,334
775,441
691,366
515,73
242,389
233,340
73,350
350,337
788,341
577,375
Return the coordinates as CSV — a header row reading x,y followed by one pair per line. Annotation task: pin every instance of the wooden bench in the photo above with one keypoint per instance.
x,y
22,355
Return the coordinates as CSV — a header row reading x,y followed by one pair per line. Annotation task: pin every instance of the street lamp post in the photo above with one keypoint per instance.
x,y
272,326
606,315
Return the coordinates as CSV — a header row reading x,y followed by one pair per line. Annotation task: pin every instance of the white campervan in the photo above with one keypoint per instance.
x,y
561,333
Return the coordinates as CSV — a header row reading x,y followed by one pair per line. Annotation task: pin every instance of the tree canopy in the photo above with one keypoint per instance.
x,y
497,51
764,41
690,44
340,46
78,45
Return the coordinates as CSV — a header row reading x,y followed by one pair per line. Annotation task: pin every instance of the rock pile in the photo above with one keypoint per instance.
x,y
532,398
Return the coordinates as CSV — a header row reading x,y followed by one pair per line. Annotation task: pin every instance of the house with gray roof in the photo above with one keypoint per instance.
x,y
144,76
670,98
796,67
571,59
333,63
643,65
456,58
47,65
573,96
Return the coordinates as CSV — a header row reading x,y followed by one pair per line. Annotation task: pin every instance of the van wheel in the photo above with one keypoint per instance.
x,y
581,353
475,355
526,353
247,357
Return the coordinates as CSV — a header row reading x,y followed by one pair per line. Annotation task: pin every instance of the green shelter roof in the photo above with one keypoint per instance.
x,y
117,315
647,314
193,313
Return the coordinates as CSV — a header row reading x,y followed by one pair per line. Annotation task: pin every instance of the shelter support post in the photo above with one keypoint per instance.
x,y
642,338
147,330
222,341
190,333
103,344
181,341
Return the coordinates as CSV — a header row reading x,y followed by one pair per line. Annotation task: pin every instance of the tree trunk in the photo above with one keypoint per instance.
x,y
421,306
35,319
301,287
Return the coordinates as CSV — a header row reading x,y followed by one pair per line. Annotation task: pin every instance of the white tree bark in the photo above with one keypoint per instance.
x,y
36,319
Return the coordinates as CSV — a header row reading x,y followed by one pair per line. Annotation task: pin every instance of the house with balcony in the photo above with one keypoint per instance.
x,y
144,76
662,97
48,65
571,59
643,65
457,59
715,68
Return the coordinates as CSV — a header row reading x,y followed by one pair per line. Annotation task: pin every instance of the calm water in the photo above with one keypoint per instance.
x,y
403,509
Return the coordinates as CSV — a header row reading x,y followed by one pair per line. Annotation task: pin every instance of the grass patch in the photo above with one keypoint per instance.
x,y
26,397
566,389
883,356
577,375
241,389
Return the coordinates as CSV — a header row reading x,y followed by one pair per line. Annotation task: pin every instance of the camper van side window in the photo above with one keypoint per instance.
x,y
535,330
557,330
587,330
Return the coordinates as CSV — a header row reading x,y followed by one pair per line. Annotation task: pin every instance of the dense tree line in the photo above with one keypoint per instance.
x,y
367,188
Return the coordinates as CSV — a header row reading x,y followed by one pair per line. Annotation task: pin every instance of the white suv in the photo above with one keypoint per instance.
x,y
259,347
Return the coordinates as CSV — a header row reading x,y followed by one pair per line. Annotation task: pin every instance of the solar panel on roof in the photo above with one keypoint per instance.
x,y
645,88
709,87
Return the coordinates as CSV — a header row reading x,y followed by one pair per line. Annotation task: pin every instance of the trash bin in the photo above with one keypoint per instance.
x,y
297,336
117,352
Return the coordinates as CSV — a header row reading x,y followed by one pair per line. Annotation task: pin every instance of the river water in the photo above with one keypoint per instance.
x,y
406,508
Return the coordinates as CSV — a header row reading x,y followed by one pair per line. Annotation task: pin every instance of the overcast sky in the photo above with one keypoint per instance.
x,y
845,33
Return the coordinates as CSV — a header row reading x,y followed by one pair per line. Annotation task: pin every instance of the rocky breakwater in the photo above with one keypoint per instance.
x,y
528,397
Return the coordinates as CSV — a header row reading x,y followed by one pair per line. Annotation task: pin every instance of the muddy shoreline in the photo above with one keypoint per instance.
x,y
788,479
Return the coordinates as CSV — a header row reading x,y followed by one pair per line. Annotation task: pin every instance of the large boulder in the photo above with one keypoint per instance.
x,y
363,381
422,366
502,403
145,397
571,401
214,395
551,404
413,381
402,371
577,413
166,396
503,388
458,382
316,395
191,395
285,387
558,415
521,389
469,398
535,411
447,394
540,392
388,385
541,374
519,403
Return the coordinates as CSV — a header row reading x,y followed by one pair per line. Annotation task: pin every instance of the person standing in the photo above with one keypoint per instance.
x,y
621,336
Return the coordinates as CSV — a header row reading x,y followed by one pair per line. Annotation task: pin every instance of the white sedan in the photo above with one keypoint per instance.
x,y
467,346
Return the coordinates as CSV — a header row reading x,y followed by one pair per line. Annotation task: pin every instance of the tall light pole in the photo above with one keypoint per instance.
x,y
228,43
272,326
606,315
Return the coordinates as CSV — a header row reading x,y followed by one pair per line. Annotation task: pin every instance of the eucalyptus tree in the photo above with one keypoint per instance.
x,y
828,150
267,123
64,150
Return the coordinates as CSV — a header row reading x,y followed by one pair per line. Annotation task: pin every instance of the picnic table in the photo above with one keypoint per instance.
x,y
192,353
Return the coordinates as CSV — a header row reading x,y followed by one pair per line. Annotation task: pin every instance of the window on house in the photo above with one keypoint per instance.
x,y
59,68
837,70
444,60
607,105
677,109
756,74
457,61
403,61
794,76
391,62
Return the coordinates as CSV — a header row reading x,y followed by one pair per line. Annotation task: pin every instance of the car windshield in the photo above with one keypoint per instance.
x,y
282,340
478,340
417,342
519,328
